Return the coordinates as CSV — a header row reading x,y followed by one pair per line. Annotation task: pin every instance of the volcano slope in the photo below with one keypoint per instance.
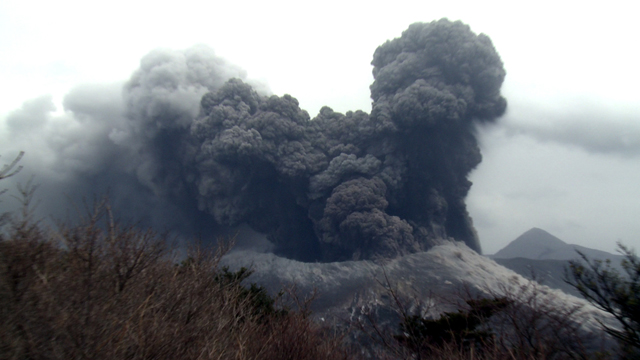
x,y
425,283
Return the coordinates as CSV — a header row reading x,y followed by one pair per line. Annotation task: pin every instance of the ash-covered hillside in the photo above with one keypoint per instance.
x,y
427,283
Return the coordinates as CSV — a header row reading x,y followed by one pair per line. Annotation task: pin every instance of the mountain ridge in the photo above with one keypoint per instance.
x,y
538,255
538,244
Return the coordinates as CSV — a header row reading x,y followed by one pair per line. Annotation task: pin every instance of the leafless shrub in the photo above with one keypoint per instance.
x,y
529,323
11,169
101,290
539,325
378,335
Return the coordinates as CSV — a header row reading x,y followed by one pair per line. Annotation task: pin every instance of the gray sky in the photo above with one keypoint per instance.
x,y
565,157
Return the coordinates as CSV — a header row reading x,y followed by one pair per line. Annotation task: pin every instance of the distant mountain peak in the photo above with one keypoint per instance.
x,y
534,243
538,244
540,236
536,230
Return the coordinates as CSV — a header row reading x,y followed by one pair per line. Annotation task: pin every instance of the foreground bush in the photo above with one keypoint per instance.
x,y
518,321
615,293
98,290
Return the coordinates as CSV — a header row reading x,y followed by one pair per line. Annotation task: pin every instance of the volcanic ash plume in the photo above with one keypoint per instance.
x,y
128,140
187,145
354,185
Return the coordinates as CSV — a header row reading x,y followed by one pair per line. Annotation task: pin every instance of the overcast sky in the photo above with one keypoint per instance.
x,y
564,158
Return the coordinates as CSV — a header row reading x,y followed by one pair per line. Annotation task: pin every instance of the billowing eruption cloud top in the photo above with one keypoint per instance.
x,y
356,185
336,187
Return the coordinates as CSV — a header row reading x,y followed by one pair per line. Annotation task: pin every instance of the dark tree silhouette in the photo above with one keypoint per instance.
x,y
11,169
617,294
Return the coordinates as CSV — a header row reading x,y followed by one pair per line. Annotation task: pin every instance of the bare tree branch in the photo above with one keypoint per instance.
x,y
10,169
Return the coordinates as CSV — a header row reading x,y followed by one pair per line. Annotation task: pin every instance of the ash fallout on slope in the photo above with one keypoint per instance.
x,y
356,185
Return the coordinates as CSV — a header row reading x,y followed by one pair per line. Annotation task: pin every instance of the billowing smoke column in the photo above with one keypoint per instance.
x,y
187,145
125,140
349,186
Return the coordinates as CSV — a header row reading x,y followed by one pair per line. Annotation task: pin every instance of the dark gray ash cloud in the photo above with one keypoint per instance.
x,y
195,144
344,186
122,139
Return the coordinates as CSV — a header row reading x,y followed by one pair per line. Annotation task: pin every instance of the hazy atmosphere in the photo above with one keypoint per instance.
x,y
565,157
